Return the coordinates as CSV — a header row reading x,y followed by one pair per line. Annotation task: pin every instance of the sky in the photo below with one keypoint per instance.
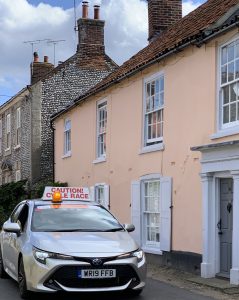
x,y
38,25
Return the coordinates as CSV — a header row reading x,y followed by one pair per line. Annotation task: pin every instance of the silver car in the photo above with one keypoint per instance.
x,y
72,246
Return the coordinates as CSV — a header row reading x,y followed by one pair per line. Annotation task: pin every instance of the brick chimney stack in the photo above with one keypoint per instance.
x,y
162,14
91,35
39,69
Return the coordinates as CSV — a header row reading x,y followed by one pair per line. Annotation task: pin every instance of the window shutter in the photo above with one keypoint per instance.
x,y
136,211
107,196
92,193
165,213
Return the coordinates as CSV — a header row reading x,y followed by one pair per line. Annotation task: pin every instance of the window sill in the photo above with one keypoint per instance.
x,y
17,147
66,155
152,250
225,132
153,148
99,160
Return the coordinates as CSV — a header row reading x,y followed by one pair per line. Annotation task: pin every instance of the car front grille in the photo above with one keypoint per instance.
x,y
67,276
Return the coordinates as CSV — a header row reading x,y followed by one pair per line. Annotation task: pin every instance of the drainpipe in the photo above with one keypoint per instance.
x,y
53,139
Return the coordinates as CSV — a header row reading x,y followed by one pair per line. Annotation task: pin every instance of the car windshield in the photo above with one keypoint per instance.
x,y
73,217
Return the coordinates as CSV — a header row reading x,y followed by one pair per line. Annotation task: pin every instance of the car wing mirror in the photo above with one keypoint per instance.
x,y
12,227
129,227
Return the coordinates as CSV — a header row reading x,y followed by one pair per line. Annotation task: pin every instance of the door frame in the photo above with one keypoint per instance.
x,y
218,160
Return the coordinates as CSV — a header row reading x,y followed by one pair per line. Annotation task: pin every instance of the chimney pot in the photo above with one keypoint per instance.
x,y
85,9
36,57
45,59
96,12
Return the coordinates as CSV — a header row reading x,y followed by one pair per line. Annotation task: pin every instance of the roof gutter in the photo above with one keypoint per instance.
x,y
195,41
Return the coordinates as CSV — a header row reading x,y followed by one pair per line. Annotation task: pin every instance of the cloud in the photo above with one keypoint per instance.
x,y
19,22
190,5
126,33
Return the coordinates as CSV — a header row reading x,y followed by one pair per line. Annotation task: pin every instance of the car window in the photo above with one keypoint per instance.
x,y
16,212
73,217
23,217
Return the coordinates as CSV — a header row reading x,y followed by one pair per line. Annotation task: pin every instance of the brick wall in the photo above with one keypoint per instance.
x,y
39,70
91,49
162,14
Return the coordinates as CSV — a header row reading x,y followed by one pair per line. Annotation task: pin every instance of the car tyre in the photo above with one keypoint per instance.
x,y
3,274
22,283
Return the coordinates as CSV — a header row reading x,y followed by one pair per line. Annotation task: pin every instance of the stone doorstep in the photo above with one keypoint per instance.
x,y
222,285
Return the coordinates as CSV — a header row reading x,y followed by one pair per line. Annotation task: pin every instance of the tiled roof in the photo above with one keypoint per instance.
x,y
189,29
192,29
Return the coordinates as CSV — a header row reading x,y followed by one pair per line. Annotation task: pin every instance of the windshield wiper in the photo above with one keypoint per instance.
x,y
66,230
85,230
113,229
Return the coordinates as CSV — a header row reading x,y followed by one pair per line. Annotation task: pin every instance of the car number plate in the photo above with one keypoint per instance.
x,y
97,273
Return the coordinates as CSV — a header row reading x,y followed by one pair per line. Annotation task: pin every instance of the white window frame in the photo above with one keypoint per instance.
x,y
101,105
18,126
137,215
0,136
18,175
231,127
8,132
67,138
102,188
145,242
156,143
105,201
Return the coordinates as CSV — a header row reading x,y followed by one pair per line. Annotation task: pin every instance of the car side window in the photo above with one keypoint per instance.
x,y
16,212
23,217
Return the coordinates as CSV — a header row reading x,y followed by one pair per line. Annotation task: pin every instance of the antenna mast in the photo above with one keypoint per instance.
x,y
55,42
32,43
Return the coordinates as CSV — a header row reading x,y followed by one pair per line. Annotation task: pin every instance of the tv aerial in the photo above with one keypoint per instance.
x,y
32,43
55,42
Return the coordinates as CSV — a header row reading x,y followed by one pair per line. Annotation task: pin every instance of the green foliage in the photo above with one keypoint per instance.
x,y
10,195
13,193
38,190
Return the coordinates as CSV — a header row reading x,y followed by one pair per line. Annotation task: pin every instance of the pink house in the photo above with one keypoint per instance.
x,y
157,141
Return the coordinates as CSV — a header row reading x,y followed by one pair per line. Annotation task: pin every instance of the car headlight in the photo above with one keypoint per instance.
x,y
42,256
139,254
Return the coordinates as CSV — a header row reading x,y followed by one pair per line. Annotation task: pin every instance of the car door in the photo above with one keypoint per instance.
x,y
18,241
8,240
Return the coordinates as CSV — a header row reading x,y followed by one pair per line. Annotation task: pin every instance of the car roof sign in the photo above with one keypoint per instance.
x,y
67,193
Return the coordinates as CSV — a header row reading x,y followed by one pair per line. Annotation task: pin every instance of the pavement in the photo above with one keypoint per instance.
x,y
215,288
